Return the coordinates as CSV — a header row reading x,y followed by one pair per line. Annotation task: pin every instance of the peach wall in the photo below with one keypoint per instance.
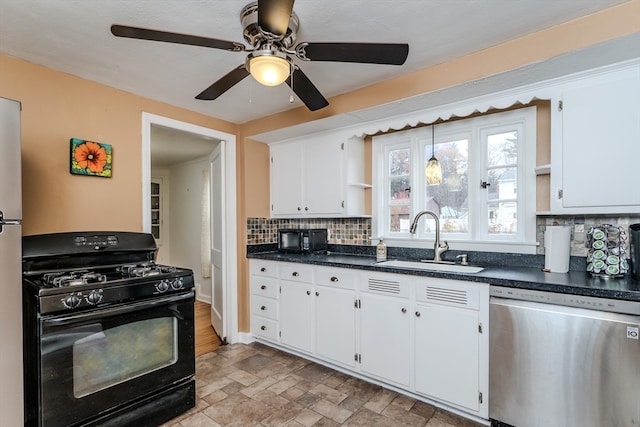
x,y
56,107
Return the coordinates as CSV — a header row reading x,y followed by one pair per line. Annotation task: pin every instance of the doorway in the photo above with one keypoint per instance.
x,y
209,139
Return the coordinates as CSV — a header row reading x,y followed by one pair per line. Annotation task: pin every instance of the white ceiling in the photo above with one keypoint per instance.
x,y
74,36
171,147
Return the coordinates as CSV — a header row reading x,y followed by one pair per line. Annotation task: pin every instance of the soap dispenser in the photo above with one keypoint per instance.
x,y
381,251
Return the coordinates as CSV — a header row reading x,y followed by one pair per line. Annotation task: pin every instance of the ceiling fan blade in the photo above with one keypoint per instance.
x,y
165,36
306,91
274,15
223,84
366,53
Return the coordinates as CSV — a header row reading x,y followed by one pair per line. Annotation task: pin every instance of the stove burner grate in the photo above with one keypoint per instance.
x,y
73,278
144,270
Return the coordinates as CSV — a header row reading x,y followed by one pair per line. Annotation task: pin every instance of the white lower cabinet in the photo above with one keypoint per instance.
x,y
428,336
297,303
264,299
336,315
385,346
451,342
297,315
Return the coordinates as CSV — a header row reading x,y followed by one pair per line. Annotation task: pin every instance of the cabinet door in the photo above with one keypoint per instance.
x,y
335,325
600,150
385,348
286,179
297,315
447,354
324,187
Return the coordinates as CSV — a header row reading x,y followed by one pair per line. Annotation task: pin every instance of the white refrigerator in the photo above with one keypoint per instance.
x,y
11,397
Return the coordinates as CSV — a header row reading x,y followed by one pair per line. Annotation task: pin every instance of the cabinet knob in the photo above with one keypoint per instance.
x,y
263,269
299,208
317,294
404,310
306,208
263,328
308,292
417,314
263,308
263,287
295,274
334,279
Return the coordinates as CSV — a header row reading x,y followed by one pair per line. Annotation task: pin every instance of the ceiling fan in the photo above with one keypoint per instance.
x,y
270,27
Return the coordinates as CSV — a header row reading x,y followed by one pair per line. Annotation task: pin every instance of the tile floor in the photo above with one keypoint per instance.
x,y
255,385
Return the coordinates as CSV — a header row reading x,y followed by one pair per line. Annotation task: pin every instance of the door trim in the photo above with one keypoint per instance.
x,y
230,212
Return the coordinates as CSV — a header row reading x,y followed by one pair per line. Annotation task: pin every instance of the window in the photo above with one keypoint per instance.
x,y
487,197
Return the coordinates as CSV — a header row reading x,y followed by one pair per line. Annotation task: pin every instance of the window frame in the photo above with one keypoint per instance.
x,y
524,241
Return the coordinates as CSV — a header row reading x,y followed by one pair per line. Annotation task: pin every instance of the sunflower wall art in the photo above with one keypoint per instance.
x,y
90,158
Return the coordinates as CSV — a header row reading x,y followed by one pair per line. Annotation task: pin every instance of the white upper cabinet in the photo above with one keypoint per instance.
x,y
596,146
319,176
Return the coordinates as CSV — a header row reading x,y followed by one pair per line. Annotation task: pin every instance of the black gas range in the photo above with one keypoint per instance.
x,y
109,334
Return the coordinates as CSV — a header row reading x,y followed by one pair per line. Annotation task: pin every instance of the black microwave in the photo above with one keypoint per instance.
x,y
307,240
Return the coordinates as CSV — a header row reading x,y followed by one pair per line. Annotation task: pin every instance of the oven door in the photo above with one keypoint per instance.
x,y
94,362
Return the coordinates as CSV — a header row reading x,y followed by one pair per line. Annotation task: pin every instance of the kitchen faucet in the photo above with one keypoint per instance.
x,y
438,248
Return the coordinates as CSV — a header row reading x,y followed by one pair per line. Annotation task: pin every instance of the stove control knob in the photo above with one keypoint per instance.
x,y
95,296
72,301
177,283
163,286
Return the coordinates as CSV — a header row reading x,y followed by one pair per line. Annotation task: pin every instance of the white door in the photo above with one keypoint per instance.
x,y
218,276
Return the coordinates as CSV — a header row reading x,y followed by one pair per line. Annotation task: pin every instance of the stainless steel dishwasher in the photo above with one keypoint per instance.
x,y
559,360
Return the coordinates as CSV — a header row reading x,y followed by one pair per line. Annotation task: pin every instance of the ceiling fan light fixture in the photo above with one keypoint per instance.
x,y
269,68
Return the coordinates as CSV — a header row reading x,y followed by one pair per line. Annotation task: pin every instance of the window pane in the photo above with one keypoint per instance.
x,y
503,218
399,190
504,184
400,162
502,149
450,199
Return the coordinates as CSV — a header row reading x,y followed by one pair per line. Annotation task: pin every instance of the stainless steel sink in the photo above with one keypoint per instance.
x,y
431,266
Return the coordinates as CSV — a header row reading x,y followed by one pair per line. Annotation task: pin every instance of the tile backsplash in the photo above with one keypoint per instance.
x,y
342,231
357,231
579,238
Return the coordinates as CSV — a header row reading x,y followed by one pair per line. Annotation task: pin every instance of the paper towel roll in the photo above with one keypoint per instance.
x,y
557,248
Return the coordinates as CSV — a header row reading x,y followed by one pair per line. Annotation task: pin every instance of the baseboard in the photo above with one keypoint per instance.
x,y
200,297
245,338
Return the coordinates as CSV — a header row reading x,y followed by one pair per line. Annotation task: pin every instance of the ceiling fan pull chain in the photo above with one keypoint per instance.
x,y
291,99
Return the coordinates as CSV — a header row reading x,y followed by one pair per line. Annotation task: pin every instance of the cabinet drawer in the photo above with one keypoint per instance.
x,y
335,277
264,286
264,268
265,307
296,272
455,293
397,285
264,328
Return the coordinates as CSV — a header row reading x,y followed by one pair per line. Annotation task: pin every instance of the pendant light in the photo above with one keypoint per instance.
x,y
433,171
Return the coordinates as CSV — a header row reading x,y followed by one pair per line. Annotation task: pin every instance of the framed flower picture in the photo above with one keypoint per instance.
x,y
90,158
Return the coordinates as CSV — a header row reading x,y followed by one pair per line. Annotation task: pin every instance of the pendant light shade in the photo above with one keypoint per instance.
x,y
433,171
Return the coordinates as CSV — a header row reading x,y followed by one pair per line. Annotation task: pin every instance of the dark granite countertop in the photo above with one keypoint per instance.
x,y
528,277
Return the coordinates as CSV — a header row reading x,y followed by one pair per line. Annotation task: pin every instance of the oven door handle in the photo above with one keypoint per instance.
x,y
121,310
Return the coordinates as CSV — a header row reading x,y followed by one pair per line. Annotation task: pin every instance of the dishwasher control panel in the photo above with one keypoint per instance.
x,y
568,300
